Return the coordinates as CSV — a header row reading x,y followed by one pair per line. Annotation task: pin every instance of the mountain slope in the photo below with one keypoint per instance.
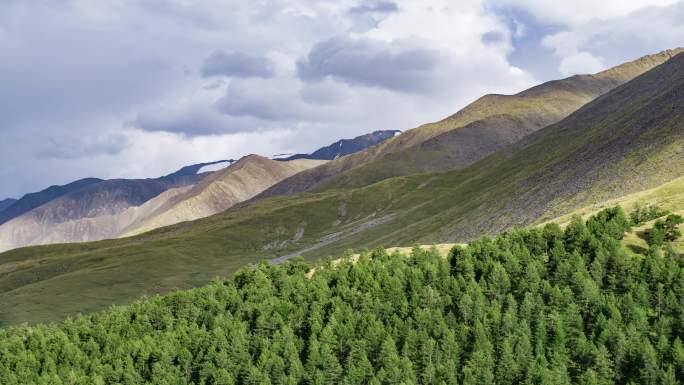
x,y
478,130
542,306
78,215
30,201
628,140
195,168
5,203
221,190
347,146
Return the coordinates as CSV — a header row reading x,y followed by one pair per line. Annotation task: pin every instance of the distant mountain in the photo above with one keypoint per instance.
x,y
346,146
30,201
627,140
113,208
196,168
71,216
480,129
221,190
5,203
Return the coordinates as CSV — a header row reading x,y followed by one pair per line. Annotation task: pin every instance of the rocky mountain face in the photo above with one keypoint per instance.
x,y
93,209
478,130
347,146
76,214
33,200
237,183
115,208
5,203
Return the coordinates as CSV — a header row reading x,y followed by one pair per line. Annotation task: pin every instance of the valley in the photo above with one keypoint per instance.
x,y
355,192
626,141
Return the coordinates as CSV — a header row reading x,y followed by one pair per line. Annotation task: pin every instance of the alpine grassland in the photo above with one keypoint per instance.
x,y
627,141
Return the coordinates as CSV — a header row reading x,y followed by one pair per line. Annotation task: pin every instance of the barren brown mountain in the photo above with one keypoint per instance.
x,y
223,189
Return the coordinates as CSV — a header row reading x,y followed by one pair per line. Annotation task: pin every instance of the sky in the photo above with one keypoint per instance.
x,y
135,89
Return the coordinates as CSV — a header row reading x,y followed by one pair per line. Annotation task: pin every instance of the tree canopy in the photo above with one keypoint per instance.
x,y
531,306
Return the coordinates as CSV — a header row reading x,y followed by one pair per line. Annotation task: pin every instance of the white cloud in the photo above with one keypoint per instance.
x,y
581,11
115,88
596,44
580,63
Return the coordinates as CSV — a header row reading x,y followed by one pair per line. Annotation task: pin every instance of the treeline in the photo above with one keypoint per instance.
x,y
537,306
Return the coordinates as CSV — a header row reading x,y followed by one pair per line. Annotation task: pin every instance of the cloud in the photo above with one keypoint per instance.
x,y
68,148
492,37
597,44
401,66
369,14
284,101
374,7
526,32
187,118
139,88
580,63
580,11
262,101
237,64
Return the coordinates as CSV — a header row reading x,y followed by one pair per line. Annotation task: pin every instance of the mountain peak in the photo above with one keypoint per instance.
x,y
633,68
347,146
194,169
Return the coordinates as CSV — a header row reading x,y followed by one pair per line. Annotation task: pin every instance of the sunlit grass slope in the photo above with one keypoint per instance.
x,y
626,141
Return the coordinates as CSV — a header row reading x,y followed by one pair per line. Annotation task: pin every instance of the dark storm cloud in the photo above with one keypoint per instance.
x,y
395,66
237,64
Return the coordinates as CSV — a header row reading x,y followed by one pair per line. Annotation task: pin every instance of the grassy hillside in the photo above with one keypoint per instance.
x,y
478,130
628,140
541,306
668,197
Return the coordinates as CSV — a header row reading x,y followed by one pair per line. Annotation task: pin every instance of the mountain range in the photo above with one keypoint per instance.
x,y
500,162
480,129
93,209
33,200
5,203
346,146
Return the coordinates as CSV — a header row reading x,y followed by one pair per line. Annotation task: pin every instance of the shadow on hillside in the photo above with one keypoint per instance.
x,y
643,234
638,249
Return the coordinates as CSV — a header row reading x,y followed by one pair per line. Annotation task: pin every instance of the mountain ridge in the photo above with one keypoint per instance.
x,y
346,146
105,212
32,200
70,216
236,183
627,140
450,143
5,203
195,168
